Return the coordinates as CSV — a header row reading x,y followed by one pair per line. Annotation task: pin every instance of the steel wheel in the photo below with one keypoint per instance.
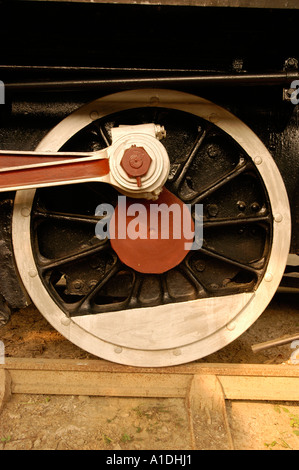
x,y
81,287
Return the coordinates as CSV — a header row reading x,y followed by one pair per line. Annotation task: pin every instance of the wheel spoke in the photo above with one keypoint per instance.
x,y
133,300
87,219
188,271
100,129
85,304
46,265
240,168
226,259
165,294
215,223
185,166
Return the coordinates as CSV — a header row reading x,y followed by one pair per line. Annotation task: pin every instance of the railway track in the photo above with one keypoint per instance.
x,y
206,388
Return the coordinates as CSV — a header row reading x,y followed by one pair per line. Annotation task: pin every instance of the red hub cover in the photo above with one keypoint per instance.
x,y
152,236
136,162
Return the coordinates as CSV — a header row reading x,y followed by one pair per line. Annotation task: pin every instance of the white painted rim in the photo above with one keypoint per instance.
x,y
167,334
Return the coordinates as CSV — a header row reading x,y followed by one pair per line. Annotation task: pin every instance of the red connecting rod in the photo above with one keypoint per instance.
x,y
21,170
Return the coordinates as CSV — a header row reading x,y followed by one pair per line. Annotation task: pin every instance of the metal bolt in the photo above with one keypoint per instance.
x,y
32,273
25,211
212,151
291,63
94,115
238,64
213,286
154,100
278,217
92,283
199,265
177,352
213,210
258,160
255,207
268,277
65,321
118,349
241,205
231,326
213,118
77,284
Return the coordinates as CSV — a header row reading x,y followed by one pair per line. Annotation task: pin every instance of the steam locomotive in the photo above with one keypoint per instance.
x,y
191,104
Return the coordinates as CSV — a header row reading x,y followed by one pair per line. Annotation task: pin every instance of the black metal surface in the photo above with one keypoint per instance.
x,y
93,35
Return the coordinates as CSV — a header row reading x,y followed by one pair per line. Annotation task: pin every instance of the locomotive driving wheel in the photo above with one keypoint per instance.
x,y
115,311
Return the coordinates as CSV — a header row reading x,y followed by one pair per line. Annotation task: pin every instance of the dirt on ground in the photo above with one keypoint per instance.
x,y
41,422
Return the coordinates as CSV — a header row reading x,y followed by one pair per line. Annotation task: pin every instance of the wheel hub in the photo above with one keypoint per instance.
x,y
139,163
154,240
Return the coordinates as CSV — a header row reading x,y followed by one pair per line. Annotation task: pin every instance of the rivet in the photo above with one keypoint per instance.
x,y
213,286
213,117
213,151
213,210
92,283
268,277
278,217
94,115
154,100
231,326
25,211
258,160
199,265
65,321
177,352
118,350
241,205
32,273
255,207
77,284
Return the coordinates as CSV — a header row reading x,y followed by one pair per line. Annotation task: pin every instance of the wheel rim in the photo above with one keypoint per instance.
x,y
169,333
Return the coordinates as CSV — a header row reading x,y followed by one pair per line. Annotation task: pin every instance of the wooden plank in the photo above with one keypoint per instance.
x,y
219,369
5,390
99,383
207,414
260,388
102,378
